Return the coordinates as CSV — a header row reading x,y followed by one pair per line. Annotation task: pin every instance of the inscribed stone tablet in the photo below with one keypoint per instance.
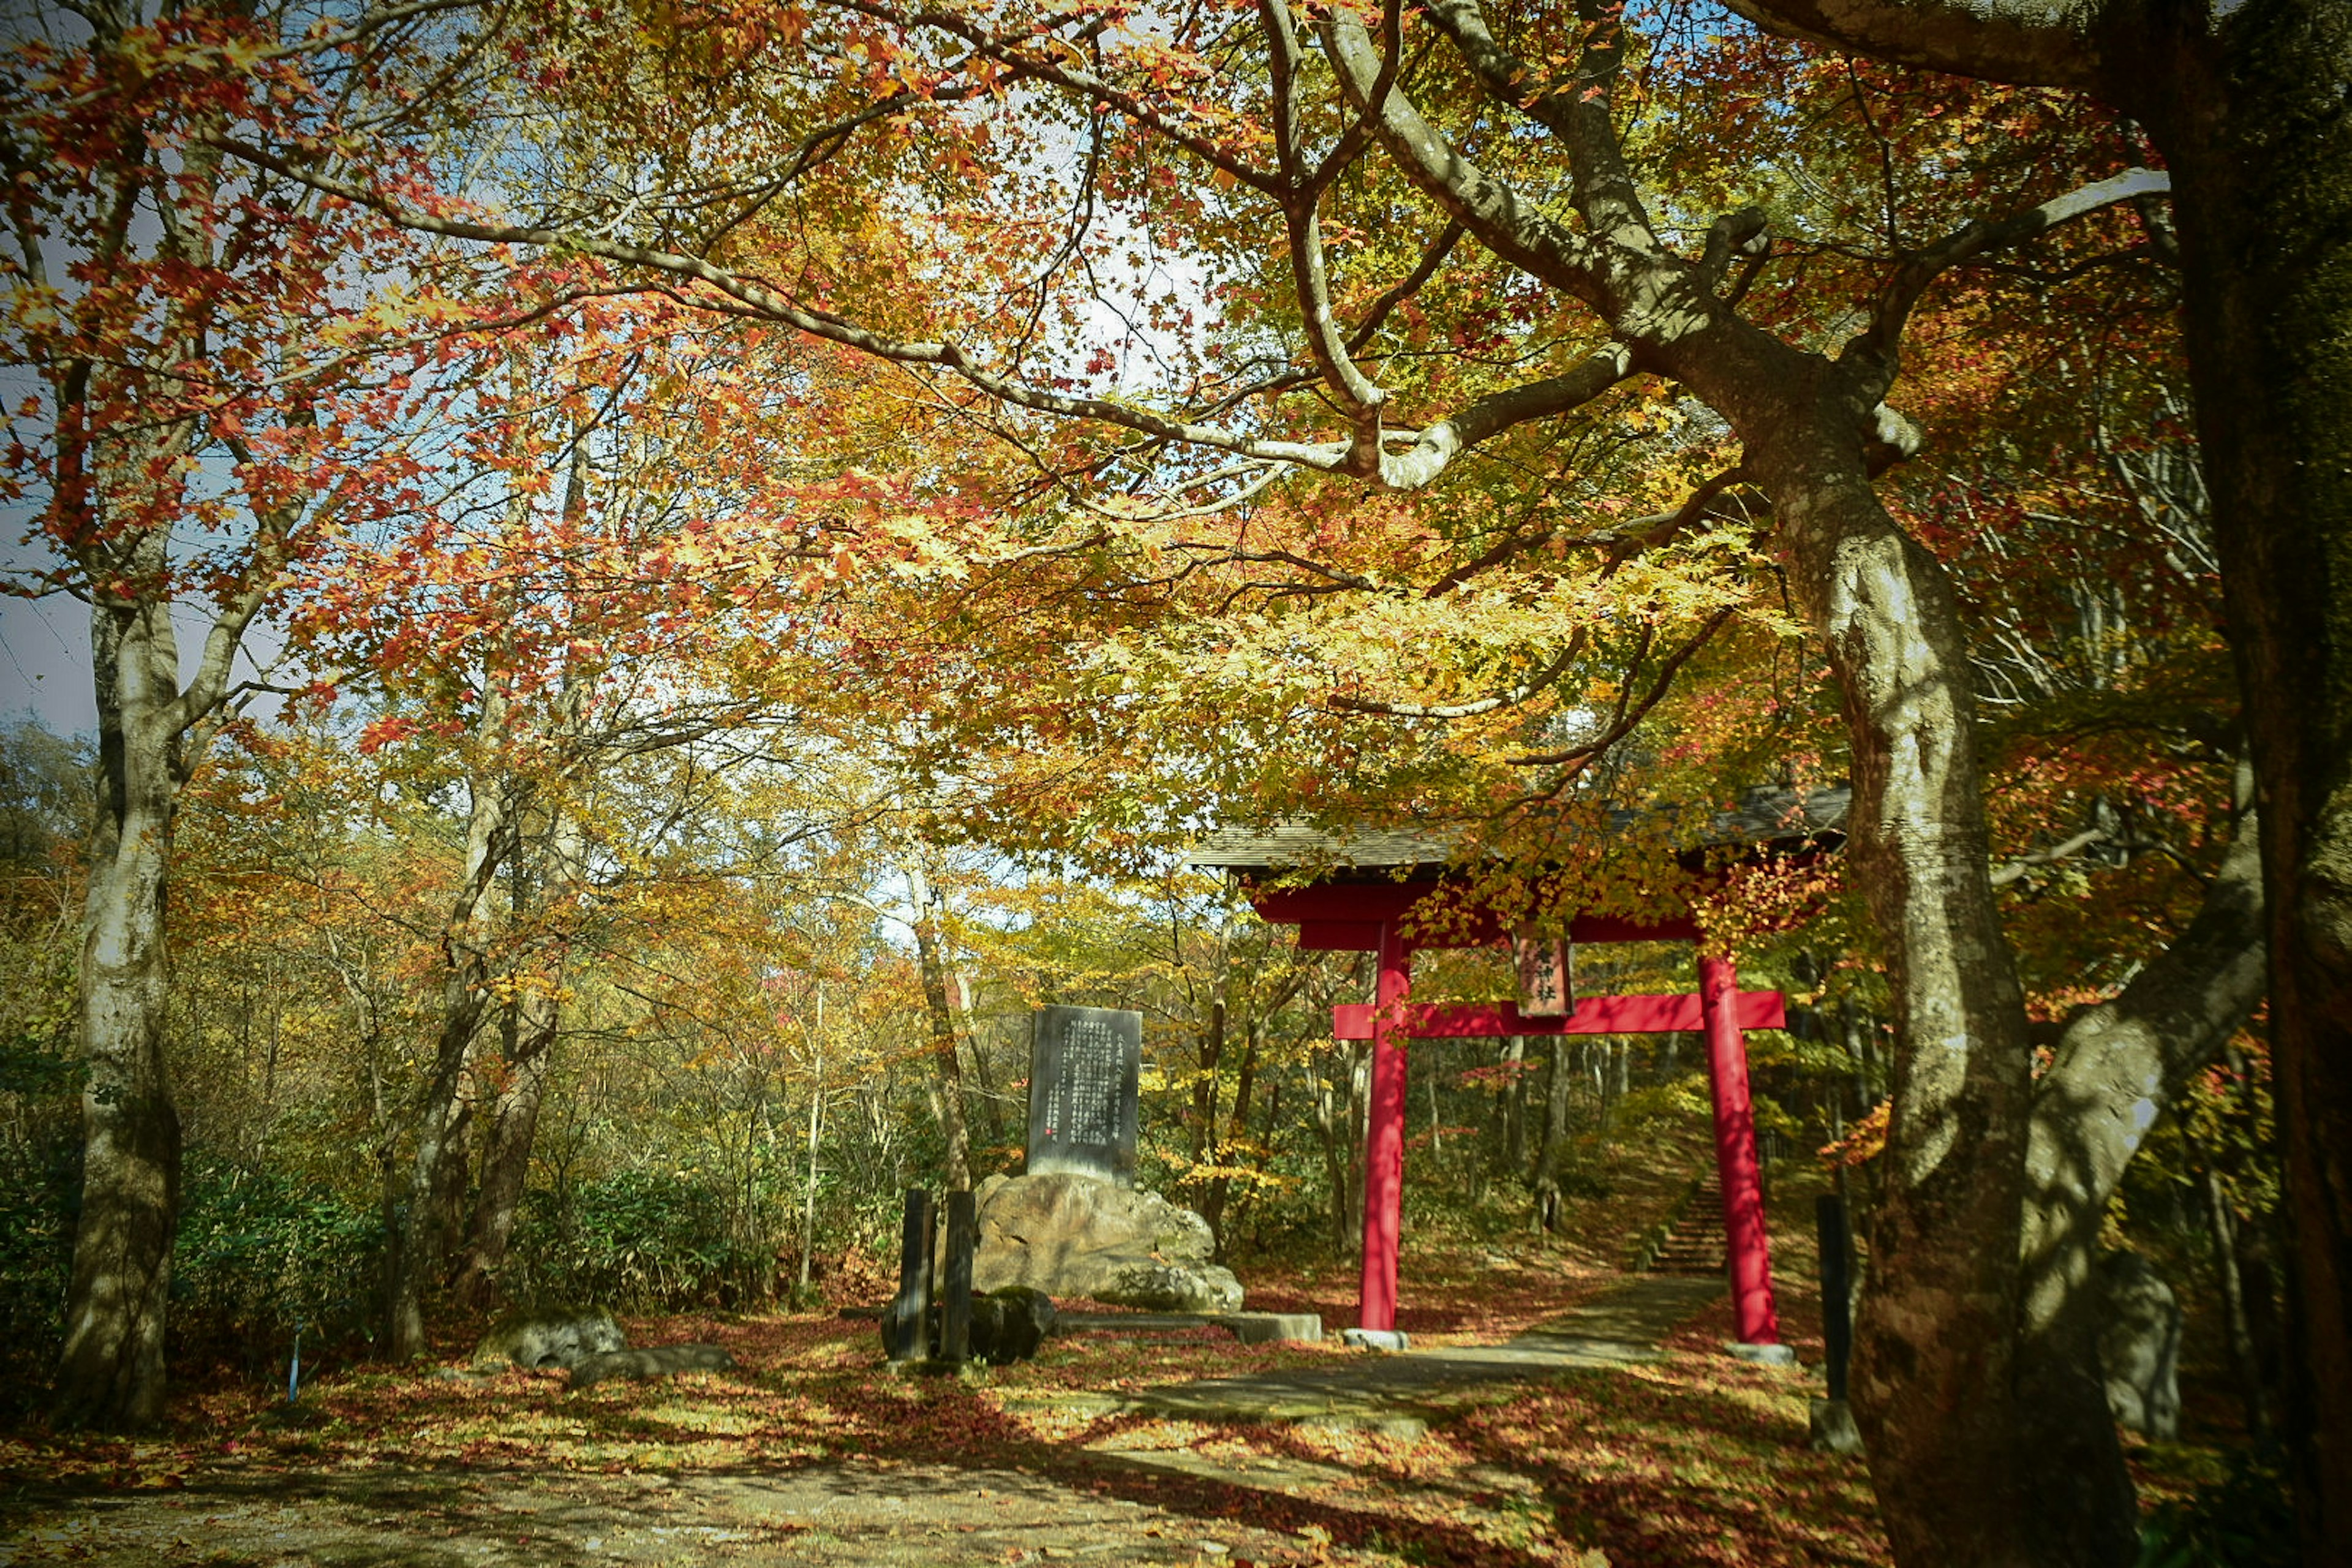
x,y
1083,1067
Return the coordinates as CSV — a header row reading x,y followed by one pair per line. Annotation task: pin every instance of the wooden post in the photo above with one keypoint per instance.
x,y
1734,1153
955,1290
1384,1137
1837,1289
911,1312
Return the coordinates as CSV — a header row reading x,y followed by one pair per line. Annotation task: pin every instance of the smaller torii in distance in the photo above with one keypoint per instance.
x,y
1389,893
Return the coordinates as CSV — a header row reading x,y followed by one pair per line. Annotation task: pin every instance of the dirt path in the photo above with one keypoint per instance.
x,y
828,1514
1402,1394
1195,1472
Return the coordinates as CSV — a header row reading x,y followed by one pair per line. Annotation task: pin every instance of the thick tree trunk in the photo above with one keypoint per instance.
x,y
2117,1066
414,1259
1954,1447
453,1176
505,1151
111,1373
946,1092
534,1018
2250,113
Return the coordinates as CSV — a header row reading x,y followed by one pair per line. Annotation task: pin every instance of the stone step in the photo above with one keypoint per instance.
x,y
1696,1245
1249,1328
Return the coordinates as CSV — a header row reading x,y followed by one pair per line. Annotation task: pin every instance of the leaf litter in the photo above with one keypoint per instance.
x,y
813,1452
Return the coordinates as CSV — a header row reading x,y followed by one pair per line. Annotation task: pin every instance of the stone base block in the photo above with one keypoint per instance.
x,y
1275,1328
1762,1356
1834,1431
1376,1338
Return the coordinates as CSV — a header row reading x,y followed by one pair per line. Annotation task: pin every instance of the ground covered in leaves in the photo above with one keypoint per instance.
x,y
813,1452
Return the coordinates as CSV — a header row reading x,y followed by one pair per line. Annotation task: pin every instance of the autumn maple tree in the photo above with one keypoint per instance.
x,y
219,386
2244,103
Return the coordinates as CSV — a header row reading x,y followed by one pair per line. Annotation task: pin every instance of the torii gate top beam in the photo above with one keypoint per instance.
x,y
1360,882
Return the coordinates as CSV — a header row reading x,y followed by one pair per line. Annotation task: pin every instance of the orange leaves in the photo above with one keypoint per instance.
x,y
1863,1142
387,730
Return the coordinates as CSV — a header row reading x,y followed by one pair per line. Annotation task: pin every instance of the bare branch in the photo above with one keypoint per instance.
x,y
1911,277
2016,870
1577,111
1301,202
2030,42
1514,230
1410,284
1629,715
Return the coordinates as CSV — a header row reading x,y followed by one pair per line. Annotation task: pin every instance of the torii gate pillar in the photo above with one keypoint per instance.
x,y
1734,1153
1384,1134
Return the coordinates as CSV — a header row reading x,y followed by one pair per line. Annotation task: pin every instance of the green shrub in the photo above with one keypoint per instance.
x,y
2245,1519
635,1239
40,1178
262,1251
38,1187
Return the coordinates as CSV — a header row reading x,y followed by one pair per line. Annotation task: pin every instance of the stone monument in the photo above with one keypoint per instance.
x,y
1084,1065
1075,1224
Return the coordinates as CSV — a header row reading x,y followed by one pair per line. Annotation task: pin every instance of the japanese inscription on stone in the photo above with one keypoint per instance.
x,y
1083,1067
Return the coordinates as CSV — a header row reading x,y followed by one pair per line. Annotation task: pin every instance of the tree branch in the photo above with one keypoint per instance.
x,y
2016,870
1518,232
2121,1062
1578,111
1891,309
1628,717
2029,43
1524,691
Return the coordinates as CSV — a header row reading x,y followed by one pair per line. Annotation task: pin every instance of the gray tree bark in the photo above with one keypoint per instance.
x,y
947,1086
116,505
1952,1426
111,1373
534,1021
2246,102
414,1257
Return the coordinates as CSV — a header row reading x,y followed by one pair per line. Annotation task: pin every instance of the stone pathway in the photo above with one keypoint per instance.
x,y
1401,1393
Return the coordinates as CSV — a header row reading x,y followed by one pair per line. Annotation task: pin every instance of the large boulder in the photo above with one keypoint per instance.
x,y
558,1337
1069,1235
2139,1345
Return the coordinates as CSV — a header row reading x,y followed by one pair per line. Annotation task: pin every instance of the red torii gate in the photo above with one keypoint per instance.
x,y
1391,887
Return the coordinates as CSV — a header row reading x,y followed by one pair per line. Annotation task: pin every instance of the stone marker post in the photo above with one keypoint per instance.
x,y
955,1287
1084,1067
910,1311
